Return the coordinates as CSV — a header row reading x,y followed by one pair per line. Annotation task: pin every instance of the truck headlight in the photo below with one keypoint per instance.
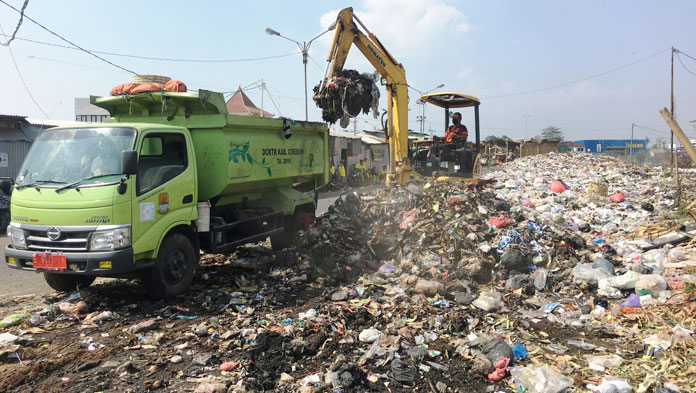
x,y
16,235
112,239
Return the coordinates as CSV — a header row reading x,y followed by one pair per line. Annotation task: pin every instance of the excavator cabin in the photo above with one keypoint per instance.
x,y
449,160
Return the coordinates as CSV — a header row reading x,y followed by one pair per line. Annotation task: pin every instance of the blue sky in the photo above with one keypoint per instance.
x,y
487,49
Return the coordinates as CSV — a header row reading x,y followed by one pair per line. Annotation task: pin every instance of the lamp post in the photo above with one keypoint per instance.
x,y
421,102
304,48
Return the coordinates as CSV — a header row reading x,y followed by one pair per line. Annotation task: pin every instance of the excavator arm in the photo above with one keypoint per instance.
x,y
346,34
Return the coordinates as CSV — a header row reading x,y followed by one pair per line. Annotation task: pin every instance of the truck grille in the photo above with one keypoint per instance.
x,y
68,240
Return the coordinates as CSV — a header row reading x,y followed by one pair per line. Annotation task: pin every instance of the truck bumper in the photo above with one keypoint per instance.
x,y
90,263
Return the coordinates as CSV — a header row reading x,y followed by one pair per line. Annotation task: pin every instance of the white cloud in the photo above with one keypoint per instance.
x,y
407,27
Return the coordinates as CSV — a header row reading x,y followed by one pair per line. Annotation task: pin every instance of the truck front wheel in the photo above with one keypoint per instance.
x,y
68,282
173,271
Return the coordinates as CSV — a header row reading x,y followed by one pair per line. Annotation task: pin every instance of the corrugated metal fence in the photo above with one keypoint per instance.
x,y
14,152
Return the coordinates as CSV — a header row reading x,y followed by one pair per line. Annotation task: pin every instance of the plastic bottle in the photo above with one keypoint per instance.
x,y
581,344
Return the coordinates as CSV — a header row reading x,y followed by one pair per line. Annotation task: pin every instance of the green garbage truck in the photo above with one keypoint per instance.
x,y
167,176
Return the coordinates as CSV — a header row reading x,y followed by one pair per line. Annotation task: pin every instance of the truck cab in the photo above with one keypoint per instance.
x,y
145,192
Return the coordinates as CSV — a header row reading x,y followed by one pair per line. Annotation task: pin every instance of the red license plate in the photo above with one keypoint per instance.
x,y
49,261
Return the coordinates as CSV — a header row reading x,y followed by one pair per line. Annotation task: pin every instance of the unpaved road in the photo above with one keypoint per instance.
x,y
16,282
20,283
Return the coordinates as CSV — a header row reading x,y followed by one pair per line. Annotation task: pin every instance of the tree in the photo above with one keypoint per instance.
x,y
491,138
563,147
552,133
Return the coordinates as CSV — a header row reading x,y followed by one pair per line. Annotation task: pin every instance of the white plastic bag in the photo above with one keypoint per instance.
x,y
601,363
611,385
540,379
586,273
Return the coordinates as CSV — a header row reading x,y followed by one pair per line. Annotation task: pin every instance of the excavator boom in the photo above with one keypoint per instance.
x,y
348,33
336,101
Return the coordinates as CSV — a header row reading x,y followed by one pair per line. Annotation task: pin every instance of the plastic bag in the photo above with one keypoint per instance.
x,y
499,222
14,319
540,276
653,283
618,197
586,273
611,286
557,186
540,379
601,363
520,351
611,385
489,301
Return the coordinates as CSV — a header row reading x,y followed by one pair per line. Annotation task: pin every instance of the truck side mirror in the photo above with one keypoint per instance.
x,y
129,162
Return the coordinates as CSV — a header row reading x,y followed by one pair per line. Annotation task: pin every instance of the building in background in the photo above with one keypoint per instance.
x,y
353,146
241,104
613,147
16,137
572,147
534,146
88,113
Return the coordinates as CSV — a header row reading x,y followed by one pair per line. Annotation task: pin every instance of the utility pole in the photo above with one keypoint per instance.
x,y
421,118
632,127
263,87
421,102
671,108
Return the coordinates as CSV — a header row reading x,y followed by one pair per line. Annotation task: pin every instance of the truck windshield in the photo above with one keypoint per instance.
x,y
69,155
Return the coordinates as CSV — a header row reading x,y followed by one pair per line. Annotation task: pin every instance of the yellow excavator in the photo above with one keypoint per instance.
x,y
407,159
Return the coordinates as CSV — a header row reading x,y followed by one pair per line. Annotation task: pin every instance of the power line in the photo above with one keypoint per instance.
x,y
316,63
188,83
578,80
297,100
71,43
33,57
272,100
21,19
685,54
684,65
21,78
161,58
652,129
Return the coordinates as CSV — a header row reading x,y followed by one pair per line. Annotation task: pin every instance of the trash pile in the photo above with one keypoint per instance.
x,y
346,95
545,281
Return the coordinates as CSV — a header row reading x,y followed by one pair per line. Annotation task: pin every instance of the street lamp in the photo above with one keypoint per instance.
x,y
421,102
304,48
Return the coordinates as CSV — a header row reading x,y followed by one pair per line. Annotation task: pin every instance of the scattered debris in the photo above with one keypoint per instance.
x,y
409,288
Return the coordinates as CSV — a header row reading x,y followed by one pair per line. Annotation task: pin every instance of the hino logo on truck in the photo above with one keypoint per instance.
x,y
53,233
378,57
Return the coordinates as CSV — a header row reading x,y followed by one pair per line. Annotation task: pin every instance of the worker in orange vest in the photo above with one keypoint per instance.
x,y
457,132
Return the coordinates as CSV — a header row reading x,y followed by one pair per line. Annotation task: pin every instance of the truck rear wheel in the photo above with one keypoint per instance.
x,y
68,282
299,220
173,271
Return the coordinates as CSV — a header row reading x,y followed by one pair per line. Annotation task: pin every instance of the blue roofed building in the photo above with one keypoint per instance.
x,y
614,147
